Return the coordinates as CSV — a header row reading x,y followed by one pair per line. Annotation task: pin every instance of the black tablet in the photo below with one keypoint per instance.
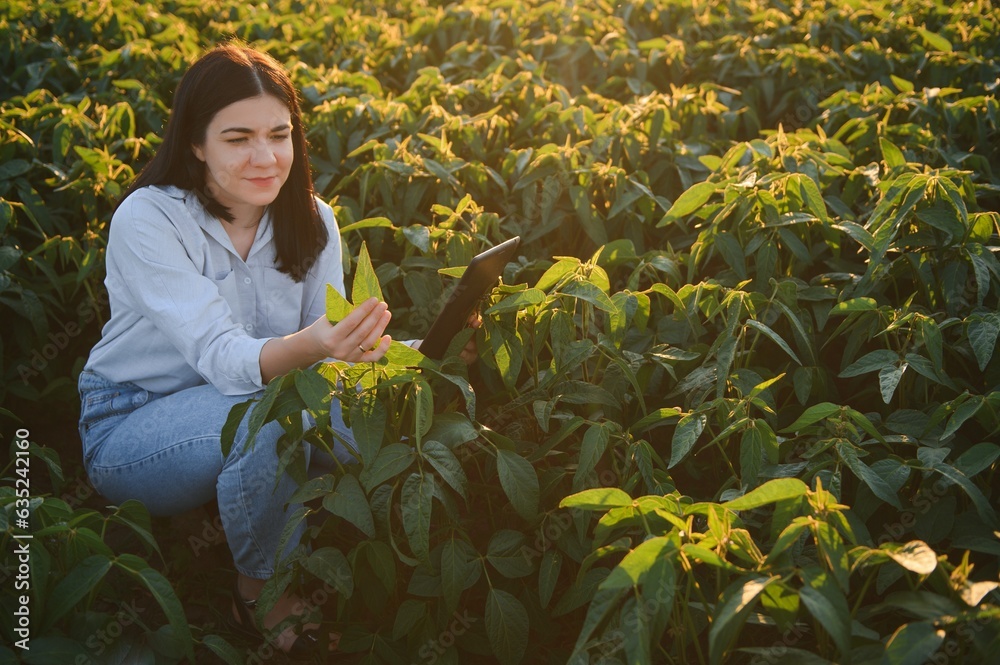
x,y
477,281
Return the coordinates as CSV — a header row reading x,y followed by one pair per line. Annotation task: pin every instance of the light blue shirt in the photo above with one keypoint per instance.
x,y
186,309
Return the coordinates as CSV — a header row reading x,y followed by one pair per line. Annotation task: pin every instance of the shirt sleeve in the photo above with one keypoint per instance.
x,y
163,284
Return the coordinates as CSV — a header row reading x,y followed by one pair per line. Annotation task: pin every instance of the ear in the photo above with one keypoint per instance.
x,y
198,152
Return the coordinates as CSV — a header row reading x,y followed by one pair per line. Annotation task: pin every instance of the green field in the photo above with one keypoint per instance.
x,y
738,398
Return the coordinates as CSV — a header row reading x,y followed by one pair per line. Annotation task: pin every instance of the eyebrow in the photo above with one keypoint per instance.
x,y
246,130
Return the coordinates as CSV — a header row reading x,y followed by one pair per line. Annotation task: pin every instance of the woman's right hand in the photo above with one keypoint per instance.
x,y
358,337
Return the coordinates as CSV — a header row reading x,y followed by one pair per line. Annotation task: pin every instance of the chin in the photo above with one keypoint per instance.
x,y
262,198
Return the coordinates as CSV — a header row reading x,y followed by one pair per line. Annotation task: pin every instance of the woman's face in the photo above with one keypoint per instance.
x,y
247,153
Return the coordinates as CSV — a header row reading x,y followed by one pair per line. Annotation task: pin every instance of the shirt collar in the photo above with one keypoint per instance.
x,y
212,225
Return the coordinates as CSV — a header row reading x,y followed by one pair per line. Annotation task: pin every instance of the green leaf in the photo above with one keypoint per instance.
x,y
80,581
634,567
232,425
390,462
730,613
548,575
460,568
595,442
772,491
600,498
686,434
594,228
916,556
901,84
833,553
508,554
810,194
519,482
164,594
330,565
402,354
862,421
978,458
871,362
601,606
506,626
875,483
983,333
982,504
365,281
416,500
827,604
934,40
774,337
337,306
314,390
446,464
638,640
854,305
781,603
408,615
690,201
368,424
223,649
892,155
813,415
350,503
422,401
53,650
369,223
517,302
653,419
912,643
589,292
889,378
965,410
135,516
751,455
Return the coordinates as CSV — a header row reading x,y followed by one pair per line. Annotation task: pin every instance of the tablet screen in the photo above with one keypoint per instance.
x,y
479,278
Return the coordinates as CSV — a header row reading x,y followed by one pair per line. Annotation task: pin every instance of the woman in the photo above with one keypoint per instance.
x,y
218,259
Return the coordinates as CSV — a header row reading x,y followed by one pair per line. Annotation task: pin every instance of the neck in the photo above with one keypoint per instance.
x,y
249,220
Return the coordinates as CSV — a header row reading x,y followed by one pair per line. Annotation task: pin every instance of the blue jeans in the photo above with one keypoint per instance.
x,y
165,451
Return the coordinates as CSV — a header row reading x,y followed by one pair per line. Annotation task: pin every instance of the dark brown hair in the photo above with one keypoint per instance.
x,y
225,75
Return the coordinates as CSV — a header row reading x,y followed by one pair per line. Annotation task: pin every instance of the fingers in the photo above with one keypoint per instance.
x,y
367,320
470,351
359,335
369,332
376,352
360,313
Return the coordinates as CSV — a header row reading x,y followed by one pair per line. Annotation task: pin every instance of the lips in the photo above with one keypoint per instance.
x,y
263,182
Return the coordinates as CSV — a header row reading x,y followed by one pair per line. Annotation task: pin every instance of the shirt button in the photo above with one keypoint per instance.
x,y
247,280
249,326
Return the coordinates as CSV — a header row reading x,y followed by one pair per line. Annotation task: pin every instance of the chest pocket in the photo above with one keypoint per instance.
x,y
226,283
282,302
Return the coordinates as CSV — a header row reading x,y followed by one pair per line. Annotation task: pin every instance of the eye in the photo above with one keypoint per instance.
x,y
241,139
279,137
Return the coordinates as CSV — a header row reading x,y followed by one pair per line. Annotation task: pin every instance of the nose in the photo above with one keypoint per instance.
x,y
262,154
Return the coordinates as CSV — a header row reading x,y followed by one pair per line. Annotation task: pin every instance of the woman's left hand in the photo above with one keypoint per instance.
x,y
470,351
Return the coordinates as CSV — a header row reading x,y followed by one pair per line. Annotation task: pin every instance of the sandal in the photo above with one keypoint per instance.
x,y
305,647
